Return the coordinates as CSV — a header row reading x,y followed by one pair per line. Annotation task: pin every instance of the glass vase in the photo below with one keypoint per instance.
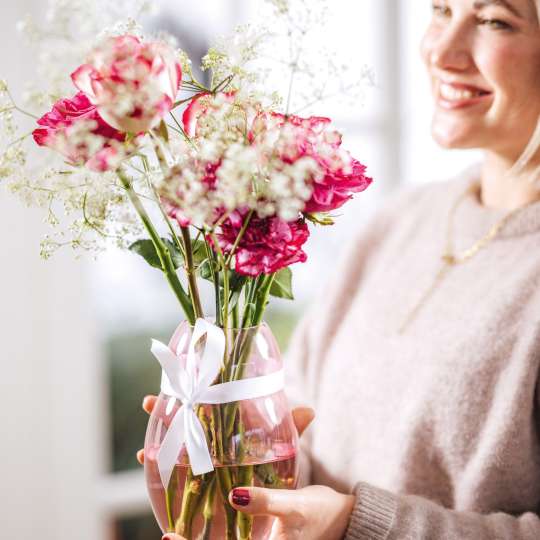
x,y
252,442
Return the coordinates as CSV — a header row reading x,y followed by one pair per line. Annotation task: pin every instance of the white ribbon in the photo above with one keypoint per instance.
x,y
192,385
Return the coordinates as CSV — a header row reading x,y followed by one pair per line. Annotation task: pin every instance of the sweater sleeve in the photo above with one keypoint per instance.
x,y
381,515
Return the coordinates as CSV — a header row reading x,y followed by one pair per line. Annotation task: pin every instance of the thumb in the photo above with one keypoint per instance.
x,y
302,417
258,501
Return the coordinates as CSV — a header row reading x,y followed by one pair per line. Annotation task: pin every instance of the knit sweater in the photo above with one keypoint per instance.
x,y
436,429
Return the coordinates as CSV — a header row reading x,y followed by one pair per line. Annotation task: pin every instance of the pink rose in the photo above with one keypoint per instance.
x,y
201,105
339,175
75,129
336,187
133,84
268,245
193,111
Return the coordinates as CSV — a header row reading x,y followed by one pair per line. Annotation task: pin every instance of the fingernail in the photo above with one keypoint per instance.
x,y
240,496
167,537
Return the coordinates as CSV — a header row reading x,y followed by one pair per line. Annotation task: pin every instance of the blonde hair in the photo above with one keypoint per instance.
x,y
518,169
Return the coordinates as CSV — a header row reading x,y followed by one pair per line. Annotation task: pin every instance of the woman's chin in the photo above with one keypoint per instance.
x,y
454,138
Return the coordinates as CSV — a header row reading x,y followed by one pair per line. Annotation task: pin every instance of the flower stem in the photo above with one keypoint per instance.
x,y
240,236
244,522
169,499
262,299
208,511
162,251
225,485
190,271
189,503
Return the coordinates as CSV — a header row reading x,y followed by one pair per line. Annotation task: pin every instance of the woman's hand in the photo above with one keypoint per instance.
x,y
314,512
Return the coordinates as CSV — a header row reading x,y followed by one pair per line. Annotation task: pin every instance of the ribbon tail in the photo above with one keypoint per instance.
x,y
171,446
196,445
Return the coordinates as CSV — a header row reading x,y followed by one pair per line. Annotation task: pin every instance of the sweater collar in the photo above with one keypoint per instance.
x,y
473,220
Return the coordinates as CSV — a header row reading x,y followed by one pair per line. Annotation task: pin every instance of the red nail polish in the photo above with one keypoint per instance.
x,y
240,496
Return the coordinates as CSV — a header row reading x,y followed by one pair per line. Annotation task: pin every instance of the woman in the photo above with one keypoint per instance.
x,y
422,359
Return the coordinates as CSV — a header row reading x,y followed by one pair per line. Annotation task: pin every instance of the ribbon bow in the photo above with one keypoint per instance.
x,y
192,385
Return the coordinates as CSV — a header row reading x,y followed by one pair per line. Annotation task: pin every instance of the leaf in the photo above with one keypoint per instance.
x,y
176,255
205,269
282,285
145,248
199,252
236,281
320,218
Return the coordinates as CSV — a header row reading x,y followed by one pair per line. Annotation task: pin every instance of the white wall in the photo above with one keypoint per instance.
x,y
49,456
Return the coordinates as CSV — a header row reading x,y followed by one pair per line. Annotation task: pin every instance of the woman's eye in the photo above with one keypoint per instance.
x,y
440,10
495,24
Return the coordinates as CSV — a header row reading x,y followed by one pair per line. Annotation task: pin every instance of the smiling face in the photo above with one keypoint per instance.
x,y
483,58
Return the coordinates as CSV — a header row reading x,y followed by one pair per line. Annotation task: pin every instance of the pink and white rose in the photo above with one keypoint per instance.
x,y
133,84
338,176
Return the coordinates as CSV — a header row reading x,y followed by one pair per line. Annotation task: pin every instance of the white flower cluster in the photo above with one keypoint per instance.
x,y
241,158
12,152
88,211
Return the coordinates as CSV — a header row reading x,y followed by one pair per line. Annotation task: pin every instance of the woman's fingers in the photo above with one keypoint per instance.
x,y
261,501
303,416
148,404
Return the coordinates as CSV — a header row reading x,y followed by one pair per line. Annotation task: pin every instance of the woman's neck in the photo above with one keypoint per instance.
x,y
499,190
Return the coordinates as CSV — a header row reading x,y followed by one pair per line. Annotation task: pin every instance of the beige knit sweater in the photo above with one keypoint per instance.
x,y
437,430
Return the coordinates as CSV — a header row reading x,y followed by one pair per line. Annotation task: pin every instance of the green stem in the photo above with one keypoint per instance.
x,y
236,315
252,316
244,522
225,270
169,499
190,497
225,485
151,186
215,279
190,271
208,511
162,251
262,299
239,237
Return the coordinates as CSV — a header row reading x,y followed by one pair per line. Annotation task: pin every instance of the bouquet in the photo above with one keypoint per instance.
x,y
236,180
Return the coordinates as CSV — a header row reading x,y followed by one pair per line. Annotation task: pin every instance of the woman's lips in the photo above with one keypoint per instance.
x,y
459,96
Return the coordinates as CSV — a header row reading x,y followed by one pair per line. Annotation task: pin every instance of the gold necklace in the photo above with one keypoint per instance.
x,y
449,259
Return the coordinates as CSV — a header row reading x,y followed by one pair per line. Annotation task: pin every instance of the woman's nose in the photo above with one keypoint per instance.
x,y
449,51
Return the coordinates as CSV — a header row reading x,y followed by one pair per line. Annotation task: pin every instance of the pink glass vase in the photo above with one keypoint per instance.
x,y
252,442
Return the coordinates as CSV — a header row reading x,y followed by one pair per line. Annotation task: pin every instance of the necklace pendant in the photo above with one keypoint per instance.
x,y
449,258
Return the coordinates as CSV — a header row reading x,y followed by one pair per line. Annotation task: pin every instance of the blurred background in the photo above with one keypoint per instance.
x,y
75,334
